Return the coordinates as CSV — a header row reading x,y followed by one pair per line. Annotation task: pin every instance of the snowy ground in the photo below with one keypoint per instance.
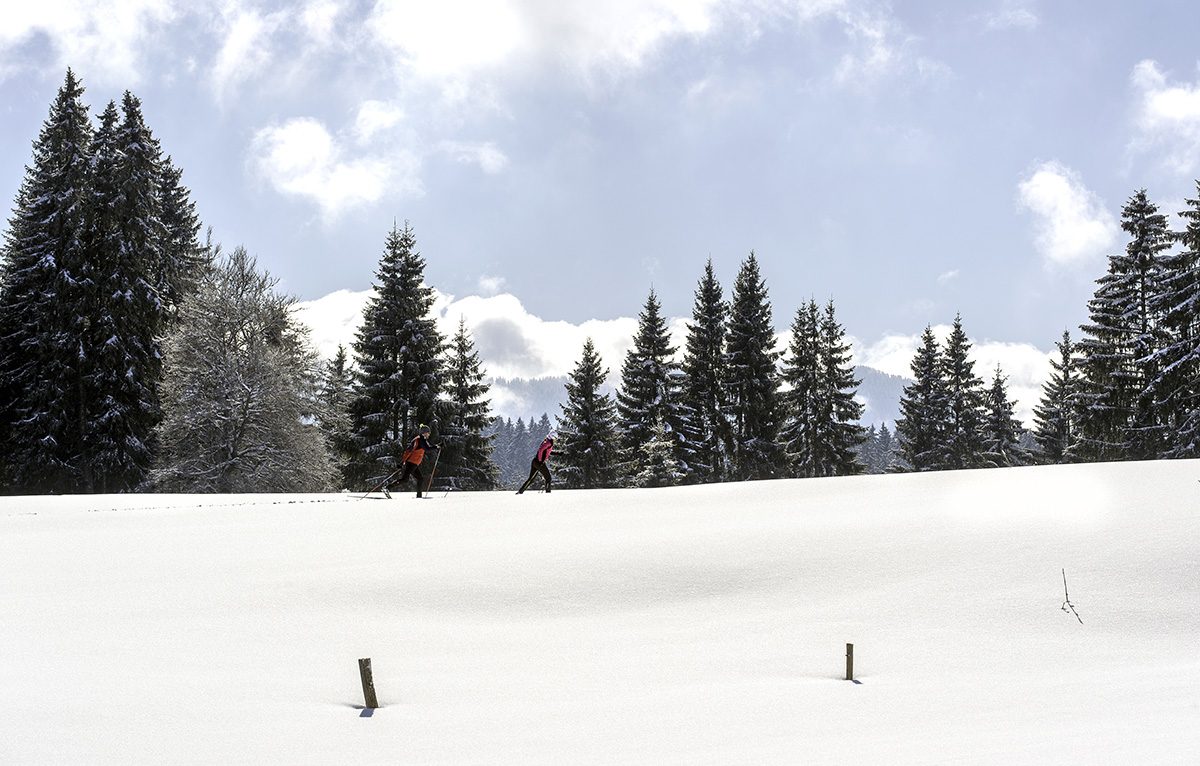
x,y
693,625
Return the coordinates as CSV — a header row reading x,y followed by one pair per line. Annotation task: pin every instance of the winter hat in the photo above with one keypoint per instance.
x,y
424,429
552,435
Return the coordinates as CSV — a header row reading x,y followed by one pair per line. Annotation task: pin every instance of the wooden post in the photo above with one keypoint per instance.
x,y
849,662
364,670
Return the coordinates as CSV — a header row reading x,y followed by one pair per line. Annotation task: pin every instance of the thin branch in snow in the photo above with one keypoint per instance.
x,y
1067,597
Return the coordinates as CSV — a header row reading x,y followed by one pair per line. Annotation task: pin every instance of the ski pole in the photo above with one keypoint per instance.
x,y
433,470
383,483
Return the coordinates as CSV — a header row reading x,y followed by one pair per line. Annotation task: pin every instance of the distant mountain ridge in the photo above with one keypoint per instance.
x,y
880,392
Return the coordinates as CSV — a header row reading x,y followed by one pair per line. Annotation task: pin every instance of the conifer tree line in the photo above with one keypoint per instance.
x,y
134,356
1129,387
732,407
949,418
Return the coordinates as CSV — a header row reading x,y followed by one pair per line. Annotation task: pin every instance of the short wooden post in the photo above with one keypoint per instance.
x,y
849,662
364,670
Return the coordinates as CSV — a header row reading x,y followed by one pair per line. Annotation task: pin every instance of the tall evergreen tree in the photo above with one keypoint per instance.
x,y
128,241
649,393
838,432
333,417
706,425
240,392
1120,357
659,467
1054,416
801,402
398,351
466,460
1001,429
922,424
587,435
868,451
47,297
1176,389
518,455
752,382
184,258
962,441
88,231
888,458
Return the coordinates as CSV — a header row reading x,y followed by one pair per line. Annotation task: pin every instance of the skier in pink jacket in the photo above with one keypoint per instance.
x,y
538,464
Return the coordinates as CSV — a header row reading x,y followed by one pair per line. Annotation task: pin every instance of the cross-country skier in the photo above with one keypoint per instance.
x,y
412,460
538,464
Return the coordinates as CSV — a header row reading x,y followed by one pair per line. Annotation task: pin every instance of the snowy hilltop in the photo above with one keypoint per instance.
x,y
702,624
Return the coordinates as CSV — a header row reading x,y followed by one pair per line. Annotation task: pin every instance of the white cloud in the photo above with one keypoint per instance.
x,y
1167,118
881,49
245,47
451,38
1073,226
375,117
1012,15
103,41
489,158
459,41
490,286
318,19
301,158
947,277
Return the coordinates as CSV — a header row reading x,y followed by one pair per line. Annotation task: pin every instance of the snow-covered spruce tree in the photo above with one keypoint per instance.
x,y
184,258
398,353
922,424
706,426
466,460
127,240
962,441
1121,345
838,431
47,298
648,393
658,468
1176,390
333,417
801,405
1001,429
518,454
752,382
587,431
868,451
498,433
539,430
888,457
240,391
1054,416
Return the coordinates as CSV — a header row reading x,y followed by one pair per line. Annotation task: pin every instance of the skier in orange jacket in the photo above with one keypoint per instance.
x,y
412,459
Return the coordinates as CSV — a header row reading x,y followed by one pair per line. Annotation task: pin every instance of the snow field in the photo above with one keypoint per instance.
x,y
690,625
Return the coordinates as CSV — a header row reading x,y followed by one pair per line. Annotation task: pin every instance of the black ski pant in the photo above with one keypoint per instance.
x,y
410,469
536,466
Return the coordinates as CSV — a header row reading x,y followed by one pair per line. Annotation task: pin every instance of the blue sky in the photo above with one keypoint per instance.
x,y
557,159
